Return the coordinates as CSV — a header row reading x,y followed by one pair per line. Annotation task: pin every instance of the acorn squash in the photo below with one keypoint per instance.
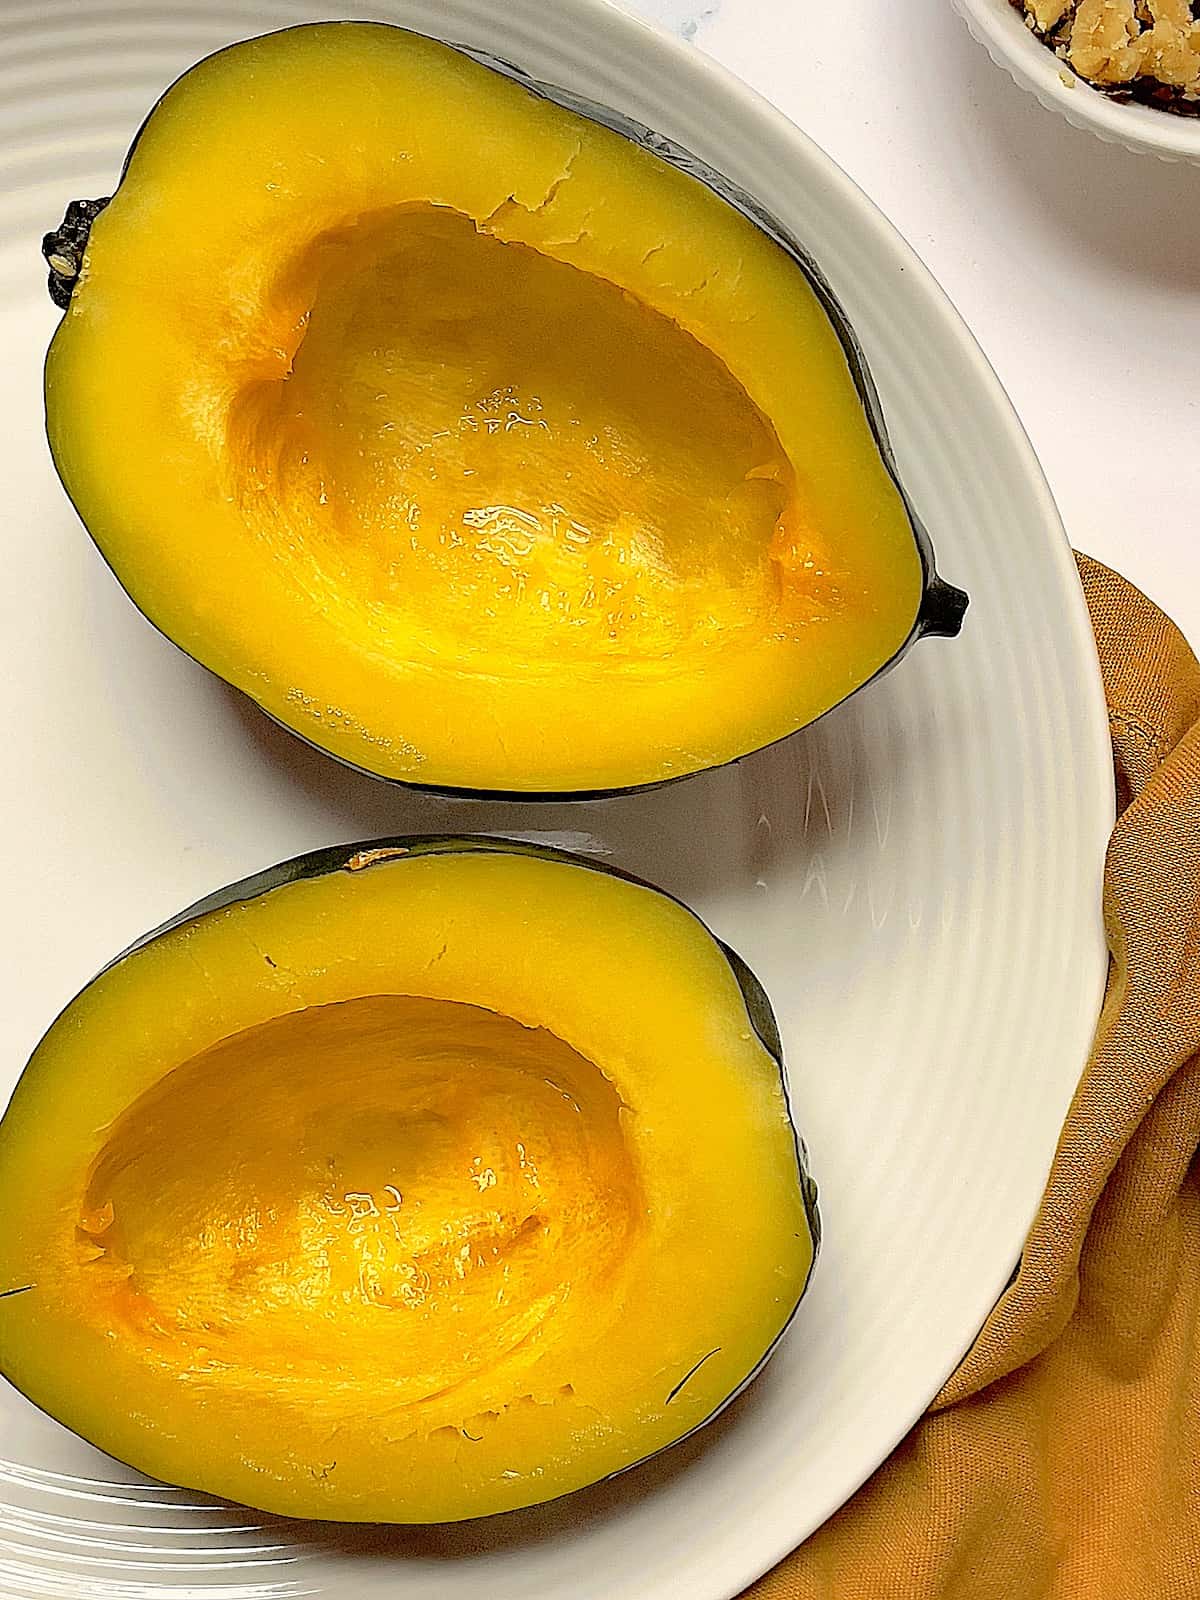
x,y
429,413
406,1182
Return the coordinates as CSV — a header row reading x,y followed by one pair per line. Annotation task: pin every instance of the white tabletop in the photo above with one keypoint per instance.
x,y
1076,264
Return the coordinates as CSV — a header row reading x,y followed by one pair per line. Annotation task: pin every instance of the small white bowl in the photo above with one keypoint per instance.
x,y
999,27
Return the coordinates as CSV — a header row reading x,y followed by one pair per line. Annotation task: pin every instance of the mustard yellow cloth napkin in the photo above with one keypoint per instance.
x,y
1062,1460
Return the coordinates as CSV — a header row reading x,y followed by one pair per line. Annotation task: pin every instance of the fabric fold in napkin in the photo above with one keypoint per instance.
x,y
1062,1459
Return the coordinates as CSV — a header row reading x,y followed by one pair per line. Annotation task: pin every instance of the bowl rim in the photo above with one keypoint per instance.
x,y
998,26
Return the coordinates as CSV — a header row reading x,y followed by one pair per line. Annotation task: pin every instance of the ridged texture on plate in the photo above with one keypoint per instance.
x,y
75,1534
916,880
997,26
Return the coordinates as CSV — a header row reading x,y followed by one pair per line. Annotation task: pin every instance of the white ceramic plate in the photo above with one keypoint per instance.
x,y
917,880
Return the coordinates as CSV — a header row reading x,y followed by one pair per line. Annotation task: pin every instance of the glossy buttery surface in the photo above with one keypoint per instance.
x,y
409,1194
463,409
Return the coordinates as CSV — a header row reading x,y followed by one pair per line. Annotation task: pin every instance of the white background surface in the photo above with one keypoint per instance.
x,y
1076,264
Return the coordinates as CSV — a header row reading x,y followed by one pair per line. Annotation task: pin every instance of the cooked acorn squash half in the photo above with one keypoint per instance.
x,y
407,1182
479,444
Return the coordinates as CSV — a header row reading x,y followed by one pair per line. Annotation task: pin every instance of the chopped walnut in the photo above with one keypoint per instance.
x,y
1137,49
1047,13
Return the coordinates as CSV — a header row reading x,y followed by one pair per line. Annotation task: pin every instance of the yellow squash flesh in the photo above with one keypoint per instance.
x,y
411,1193
477,444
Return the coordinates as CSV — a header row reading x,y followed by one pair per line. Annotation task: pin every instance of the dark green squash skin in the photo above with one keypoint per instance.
x,y
942,606
364,856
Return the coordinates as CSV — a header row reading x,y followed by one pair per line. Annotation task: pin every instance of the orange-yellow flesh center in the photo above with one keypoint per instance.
x,y
387,1198
483,454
